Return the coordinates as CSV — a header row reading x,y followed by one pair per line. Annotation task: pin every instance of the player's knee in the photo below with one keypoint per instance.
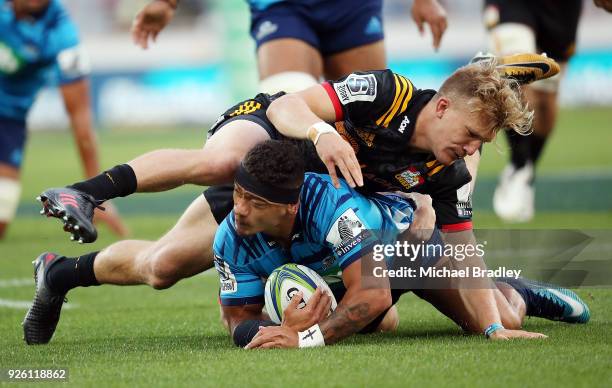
x,y
287,81
165,270
10,190
220,167
390,322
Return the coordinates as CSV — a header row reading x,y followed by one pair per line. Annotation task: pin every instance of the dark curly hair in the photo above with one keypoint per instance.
x,y
276,163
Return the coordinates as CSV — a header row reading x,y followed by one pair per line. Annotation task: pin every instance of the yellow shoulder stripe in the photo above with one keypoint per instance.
x,y
399,94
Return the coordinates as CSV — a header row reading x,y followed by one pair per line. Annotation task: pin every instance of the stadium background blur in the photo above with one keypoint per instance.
x,y
204,62
168,95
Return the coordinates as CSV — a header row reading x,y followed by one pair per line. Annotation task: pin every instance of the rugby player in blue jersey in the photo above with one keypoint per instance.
x,y
300,42
39,44
406,139
282,216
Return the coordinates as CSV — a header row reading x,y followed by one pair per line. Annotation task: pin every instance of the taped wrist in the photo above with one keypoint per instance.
x,y
246,330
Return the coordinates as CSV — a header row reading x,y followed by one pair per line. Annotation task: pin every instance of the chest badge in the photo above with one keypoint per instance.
x,y
410,178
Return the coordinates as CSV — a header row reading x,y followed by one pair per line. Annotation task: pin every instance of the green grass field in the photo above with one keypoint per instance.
x,y
136,336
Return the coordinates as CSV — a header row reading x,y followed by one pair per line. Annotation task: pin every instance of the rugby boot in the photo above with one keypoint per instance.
x,y
524,68
549,301
41,319
75,208
514,196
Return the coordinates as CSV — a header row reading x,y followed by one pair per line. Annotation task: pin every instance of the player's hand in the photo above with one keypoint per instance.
x,y
315,311
150,21
111,218
334,151
432,13
273,337
605,4
506,334
424,220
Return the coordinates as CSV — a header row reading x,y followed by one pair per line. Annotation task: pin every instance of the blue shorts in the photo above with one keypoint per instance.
x,y
12,140
329,26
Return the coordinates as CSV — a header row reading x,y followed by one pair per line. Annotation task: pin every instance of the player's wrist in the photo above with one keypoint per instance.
x,y
311,337
492,328
315,131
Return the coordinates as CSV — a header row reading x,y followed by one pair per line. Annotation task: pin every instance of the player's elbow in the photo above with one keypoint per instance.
x,y
380,301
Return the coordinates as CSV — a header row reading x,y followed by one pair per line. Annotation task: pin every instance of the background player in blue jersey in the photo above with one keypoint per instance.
x,y
300,42
282,216
39,45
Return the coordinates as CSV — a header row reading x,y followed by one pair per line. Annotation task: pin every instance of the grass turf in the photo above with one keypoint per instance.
x,y
120,336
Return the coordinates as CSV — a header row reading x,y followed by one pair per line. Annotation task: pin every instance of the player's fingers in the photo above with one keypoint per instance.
x,y
345,172
331,169
313,302
323,307
356,170
436,32
295,300
260,338
419,22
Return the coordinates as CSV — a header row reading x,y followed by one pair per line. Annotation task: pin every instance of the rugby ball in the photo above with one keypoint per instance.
x,y
287,280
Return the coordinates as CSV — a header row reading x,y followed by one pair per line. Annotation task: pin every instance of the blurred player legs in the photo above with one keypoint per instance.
x,y
536,26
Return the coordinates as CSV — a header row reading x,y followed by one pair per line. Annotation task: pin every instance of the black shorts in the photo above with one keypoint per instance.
x,y
554,22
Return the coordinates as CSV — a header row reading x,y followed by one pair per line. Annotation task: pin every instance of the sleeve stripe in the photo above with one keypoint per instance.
x,y
460,227
435,170
409,97
334,99
397,102
397,93
404,97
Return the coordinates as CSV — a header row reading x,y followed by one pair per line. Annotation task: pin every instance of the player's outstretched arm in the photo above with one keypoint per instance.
x,y
305,115
151,20
76,100
480,302
432,13
358,307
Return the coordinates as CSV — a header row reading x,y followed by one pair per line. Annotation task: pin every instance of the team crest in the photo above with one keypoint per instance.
x,y
410,178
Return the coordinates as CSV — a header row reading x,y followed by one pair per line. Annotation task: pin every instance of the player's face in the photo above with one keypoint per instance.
x,y
457,132
32,6
254,214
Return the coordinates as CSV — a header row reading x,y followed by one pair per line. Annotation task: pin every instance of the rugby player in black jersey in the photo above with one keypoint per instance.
x,y
407,139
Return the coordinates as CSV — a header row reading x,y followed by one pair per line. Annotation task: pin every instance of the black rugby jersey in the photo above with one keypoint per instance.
x,y
376,112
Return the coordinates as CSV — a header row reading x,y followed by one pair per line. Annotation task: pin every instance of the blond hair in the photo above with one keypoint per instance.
x,y
497,99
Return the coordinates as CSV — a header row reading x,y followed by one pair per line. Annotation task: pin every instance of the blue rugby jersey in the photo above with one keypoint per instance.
x,y
34,52
333,228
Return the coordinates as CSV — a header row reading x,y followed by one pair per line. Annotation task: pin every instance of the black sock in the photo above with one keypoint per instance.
x,y
520,152
67,273
119,181
536,145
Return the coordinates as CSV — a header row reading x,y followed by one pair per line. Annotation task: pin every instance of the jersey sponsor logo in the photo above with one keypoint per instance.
x,y
266,28
346,233
73,62
410,178
246,108
464,201
9,62
403,124
356,87
227,279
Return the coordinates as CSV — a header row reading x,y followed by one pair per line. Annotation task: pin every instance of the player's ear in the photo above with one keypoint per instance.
x,y
441,106
293,208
